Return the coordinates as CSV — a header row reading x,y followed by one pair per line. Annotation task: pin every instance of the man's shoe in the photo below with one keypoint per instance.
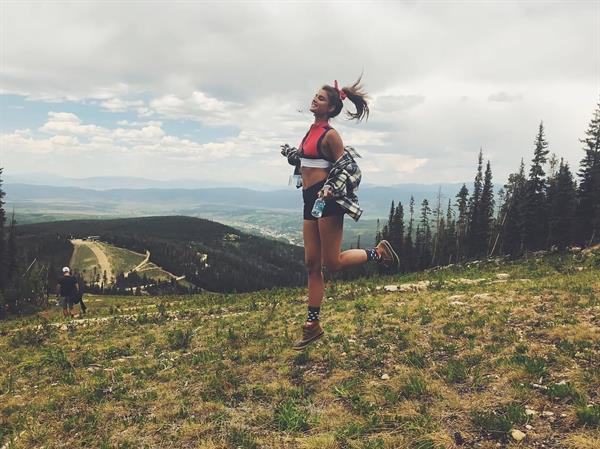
x,y
310,333
388,255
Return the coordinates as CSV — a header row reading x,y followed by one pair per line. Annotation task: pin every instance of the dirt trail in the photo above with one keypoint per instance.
x,y
101,256
140,265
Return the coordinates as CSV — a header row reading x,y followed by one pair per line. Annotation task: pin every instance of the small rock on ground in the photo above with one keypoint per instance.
x,y
483,296
517,435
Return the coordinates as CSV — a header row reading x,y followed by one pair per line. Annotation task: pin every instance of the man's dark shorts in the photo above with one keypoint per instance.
x,y
66,302
310,195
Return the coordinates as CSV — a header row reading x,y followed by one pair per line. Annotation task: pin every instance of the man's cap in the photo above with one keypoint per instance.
x,y
66,269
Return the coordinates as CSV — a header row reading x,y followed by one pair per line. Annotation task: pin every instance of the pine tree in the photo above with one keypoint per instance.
x,y
397,230
11,250
474,227
418,249
424,236
487,213
498,222
511,227
390,219
409,250
588,213
450,239
439,230
562,199
534,210
462,204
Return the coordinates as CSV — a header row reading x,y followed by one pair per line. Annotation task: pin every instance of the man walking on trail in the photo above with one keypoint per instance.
x,y
67,290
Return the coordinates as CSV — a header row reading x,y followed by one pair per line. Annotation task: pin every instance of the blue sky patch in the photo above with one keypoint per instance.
x,y
16,112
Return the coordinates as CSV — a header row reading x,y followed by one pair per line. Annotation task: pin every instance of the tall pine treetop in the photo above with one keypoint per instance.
x,y
592,135
478,184
540,153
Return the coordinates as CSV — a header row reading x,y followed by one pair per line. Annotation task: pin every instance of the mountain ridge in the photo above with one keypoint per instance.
x,y
375,200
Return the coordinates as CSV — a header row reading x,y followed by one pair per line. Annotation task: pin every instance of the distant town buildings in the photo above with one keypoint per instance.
x,y
91,238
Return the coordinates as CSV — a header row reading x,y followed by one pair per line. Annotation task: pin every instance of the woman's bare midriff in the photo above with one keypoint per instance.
x,y
311,176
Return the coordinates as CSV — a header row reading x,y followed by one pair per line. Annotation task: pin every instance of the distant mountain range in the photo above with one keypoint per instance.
x,y
114,182
140,201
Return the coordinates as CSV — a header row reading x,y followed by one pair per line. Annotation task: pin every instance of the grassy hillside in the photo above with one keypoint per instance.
x,y
212,256
84,261
461,357
122,260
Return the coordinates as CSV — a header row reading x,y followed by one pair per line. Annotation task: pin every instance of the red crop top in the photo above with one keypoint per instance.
x,y
310,148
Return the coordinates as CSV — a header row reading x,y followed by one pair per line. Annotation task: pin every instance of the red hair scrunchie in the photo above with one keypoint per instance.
x,y
341,93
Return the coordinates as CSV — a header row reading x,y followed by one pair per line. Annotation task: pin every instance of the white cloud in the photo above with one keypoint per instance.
x,y
119,105
68,142
198,107
139,124
66,122
147,134
390,165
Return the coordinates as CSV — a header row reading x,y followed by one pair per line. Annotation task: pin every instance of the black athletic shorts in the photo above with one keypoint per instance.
x,y
310,195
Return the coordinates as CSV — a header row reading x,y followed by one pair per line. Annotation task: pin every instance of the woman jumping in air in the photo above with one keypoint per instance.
x,y
329,171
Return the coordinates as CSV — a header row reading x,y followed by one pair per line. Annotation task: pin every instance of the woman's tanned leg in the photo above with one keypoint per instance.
x,y
312,259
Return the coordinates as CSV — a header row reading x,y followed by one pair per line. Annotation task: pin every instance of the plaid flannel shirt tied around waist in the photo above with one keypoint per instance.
x,y
343,179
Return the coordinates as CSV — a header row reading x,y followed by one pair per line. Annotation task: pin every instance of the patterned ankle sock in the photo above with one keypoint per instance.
x,y
313,314
372,254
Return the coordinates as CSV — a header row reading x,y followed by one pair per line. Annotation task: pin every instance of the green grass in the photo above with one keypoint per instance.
x,y
393,369
153,272
84,260
122,260
589,416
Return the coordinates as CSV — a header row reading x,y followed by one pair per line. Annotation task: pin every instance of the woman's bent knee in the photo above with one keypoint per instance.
x,y
333,265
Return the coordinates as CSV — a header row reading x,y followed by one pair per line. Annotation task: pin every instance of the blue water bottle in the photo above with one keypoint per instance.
x,y
317,210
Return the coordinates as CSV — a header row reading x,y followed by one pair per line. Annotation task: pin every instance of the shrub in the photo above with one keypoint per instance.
x,y
180,339
500,422
113,352
564,391
55,357
424,443
348,392
492,422
32,336
455,371
376,443
416,359
453,329
589,416
289,417
515,413
414,387
535,366
240,439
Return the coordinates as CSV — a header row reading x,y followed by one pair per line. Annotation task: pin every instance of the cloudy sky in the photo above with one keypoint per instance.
x,y
209,90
